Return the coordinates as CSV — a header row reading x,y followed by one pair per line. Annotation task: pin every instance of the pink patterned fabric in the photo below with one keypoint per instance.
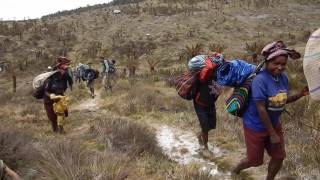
x,y
62,64
278,48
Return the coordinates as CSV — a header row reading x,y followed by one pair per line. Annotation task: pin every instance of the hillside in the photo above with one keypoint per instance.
x,y
116,136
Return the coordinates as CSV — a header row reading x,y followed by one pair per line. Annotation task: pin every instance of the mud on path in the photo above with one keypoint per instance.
x,y
180,145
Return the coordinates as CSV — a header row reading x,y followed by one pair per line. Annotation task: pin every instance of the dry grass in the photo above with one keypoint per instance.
x,y
302,141
191,172
143,96
63,160
177,24
68,160
17,151
126,136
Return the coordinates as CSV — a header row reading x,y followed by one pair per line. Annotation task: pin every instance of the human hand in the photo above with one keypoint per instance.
x,y
305,91
274,138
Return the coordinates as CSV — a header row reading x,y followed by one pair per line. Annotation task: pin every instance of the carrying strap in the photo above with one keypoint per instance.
x,y
258,68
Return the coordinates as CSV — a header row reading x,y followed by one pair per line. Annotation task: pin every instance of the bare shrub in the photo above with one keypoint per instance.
x,y
254,50
190,51
216,47
132,51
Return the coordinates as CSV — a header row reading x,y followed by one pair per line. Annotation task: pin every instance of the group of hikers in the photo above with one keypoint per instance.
x,y
269,93
60,79
84,72
267,96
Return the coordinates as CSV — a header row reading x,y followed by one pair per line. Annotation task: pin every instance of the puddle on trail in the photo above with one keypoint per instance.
x,y
182,147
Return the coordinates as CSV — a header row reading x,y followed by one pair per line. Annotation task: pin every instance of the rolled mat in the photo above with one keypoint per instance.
x,y
238,101
311,64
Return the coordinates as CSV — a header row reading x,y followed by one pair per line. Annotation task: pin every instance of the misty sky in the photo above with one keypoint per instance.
x,y
20,9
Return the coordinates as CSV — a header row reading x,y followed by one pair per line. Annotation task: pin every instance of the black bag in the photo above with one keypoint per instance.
x,y
38,93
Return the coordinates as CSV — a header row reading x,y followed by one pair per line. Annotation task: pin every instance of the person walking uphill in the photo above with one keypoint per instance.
x,y
108,72
207,94
90,75
270,93
57,84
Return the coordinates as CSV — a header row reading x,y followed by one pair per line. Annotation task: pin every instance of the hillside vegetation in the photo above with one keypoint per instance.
x,y
153,40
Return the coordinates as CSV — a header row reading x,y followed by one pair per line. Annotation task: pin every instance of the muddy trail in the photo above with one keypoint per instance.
x,y
180,145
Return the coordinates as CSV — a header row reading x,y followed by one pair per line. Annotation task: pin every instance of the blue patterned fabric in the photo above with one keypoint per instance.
x,y
234,73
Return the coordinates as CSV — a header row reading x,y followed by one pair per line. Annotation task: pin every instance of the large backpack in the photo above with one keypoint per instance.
x,y
38,84
91,74
186,84
109,66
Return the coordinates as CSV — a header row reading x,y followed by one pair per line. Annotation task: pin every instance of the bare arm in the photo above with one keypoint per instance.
x,y
303,92
294,98
265,119
12,174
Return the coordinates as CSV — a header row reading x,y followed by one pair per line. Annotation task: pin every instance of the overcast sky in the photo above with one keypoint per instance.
x,y
20,9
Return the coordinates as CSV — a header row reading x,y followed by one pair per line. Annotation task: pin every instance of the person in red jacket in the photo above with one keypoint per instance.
x,y
204,102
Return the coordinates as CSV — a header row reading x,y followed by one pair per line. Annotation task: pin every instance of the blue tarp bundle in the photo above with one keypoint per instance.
x,y
234,73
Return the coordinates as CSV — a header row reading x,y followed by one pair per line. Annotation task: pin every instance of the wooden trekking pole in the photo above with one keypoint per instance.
x,y
14,81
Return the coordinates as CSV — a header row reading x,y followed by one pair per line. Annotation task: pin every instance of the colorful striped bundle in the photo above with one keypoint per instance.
x,y
238,101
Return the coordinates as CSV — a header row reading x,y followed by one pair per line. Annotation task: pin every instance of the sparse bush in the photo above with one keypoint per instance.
x,y
126,136
254,50
63,160
190,51
216,47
